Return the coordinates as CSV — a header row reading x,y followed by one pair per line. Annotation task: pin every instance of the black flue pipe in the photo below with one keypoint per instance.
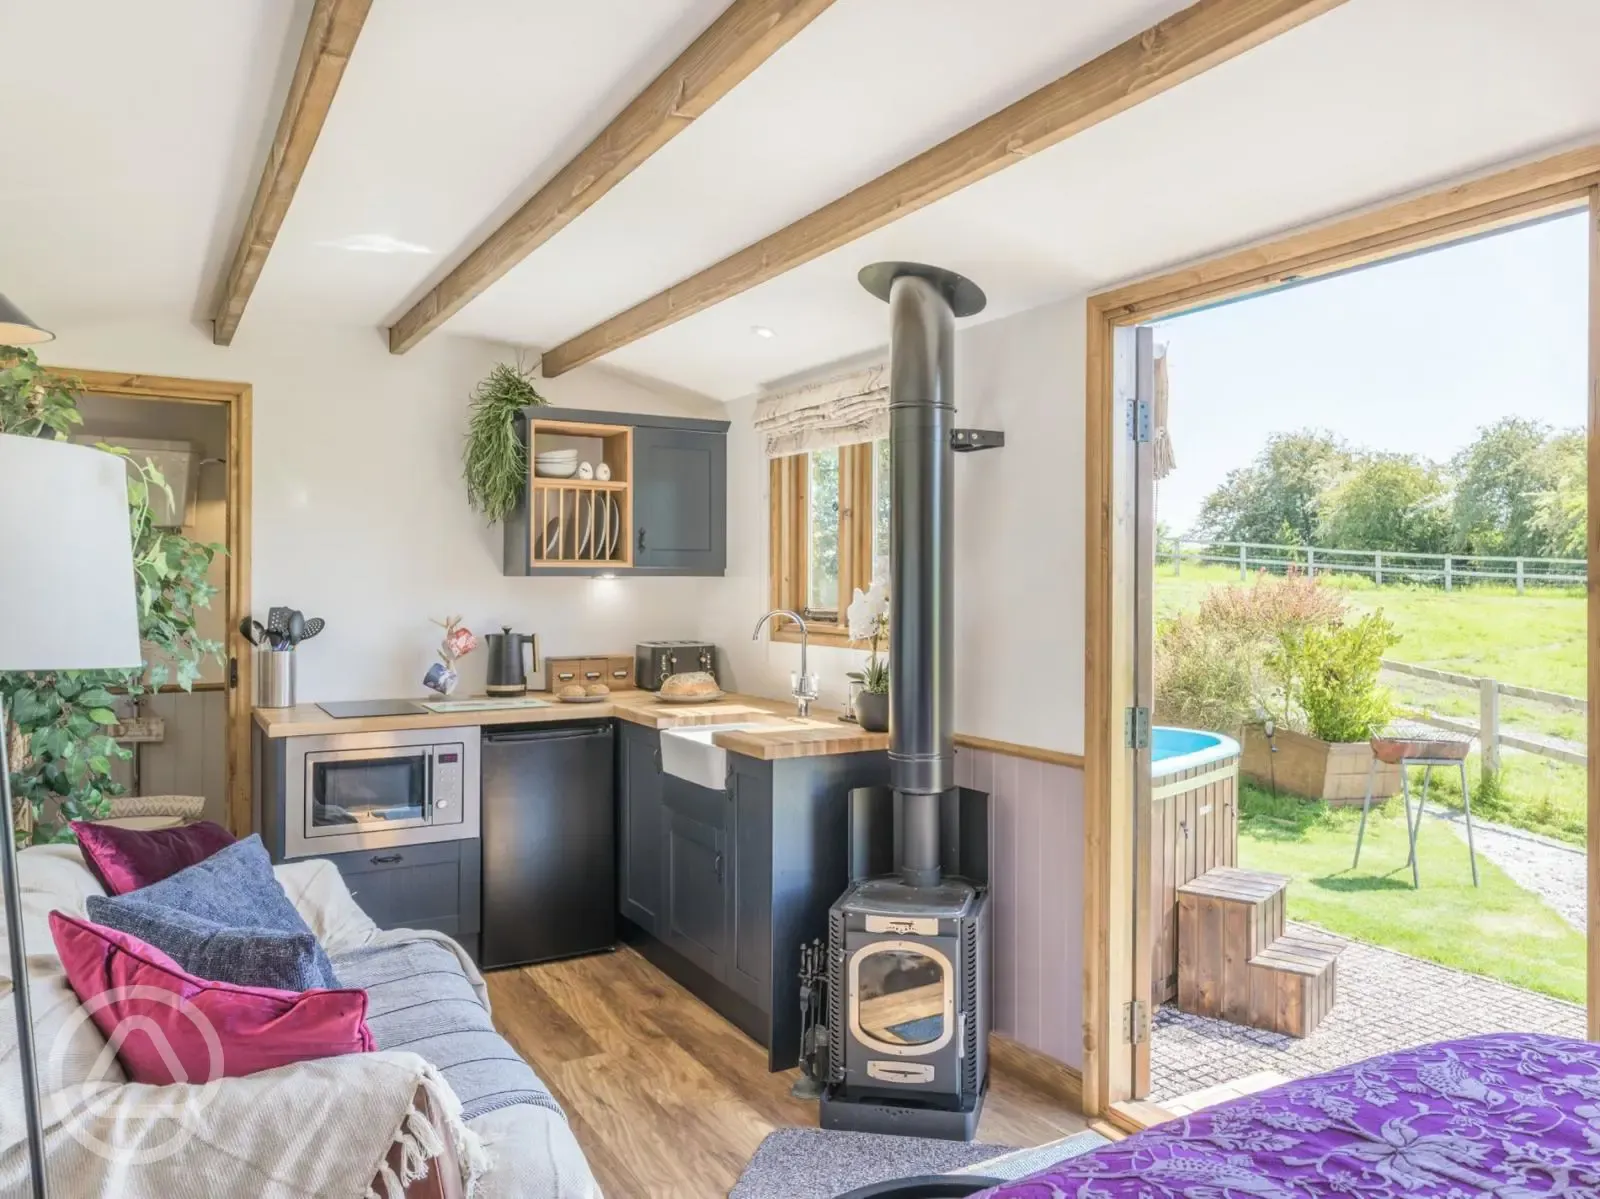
x,y
923,304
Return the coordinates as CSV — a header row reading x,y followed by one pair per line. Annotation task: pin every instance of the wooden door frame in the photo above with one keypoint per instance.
x,y
235,397
1565,181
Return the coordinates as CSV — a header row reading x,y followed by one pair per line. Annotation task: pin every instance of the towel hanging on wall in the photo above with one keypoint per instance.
x,y
1166,461
839,411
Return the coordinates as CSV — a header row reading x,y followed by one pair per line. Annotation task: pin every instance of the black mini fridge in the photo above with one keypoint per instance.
x,y
549,843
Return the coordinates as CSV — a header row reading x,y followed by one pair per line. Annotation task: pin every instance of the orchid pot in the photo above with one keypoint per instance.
x,y
868,615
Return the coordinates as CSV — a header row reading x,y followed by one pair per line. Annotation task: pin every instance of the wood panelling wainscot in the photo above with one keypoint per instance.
x,y
1036,873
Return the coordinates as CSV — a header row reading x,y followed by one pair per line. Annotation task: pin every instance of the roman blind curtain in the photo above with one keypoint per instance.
x,y
843,410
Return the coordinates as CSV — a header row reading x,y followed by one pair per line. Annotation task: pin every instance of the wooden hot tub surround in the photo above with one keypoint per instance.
x,y
1194,827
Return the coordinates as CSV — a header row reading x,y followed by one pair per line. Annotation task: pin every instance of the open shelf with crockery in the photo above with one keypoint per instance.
x,y
572,521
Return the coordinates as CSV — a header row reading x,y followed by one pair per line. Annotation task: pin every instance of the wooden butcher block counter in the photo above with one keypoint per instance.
x,y
789,736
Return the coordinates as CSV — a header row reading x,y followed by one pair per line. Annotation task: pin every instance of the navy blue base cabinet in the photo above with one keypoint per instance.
x,y
720,889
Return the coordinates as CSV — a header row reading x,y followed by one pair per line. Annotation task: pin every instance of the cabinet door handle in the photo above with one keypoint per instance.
x,y
388,859
641,538
719,867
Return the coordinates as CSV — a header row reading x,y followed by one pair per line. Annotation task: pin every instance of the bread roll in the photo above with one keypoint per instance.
x,y
571,691
692,684
597,689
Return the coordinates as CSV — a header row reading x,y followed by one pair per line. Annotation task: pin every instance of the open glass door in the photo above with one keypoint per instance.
x,y
1136,360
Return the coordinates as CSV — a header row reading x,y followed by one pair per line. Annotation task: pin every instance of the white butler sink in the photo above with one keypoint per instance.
x,y
687,753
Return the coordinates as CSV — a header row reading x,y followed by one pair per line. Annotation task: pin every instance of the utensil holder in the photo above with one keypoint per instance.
x,y
275,678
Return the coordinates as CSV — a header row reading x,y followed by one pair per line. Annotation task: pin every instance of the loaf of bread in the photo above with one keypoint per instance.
x,y
597,689
693,684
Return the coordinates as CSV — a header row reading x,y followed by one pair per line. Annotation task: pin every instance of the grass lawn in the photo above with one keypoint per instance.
x,y
1497,930
1534,640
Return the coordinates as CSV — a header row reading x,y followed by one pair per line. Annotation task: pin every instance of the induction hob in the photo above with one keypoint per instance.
x,y
351,709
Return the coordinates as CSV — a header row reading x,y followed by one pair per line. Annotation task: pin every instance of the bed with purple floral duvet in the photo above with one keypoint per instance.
x,y
1512,1116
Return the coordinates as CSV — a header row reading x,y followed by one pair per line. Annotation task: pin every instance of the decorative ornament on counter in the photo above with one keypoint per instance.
x,y
458,643
868,616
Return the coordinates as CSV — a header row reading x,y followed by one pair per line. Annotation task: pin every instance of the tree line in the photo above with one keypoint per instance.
x,y
1518,490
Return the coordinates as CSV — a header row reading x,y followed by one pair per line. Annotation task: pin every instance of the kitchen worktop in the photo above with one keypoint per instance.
x,y
789,736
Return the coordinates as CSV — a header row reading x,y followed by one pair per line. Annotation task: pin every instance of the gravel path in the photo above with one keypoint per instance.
x,y
1551,869
1386,1001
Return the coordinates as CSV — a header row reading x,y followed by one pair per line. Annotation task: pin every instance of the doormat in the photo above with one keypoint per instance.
x,y
817,1163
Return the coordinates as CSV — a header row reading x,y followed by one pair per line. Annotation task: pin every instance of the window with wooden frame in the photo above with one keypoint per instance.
x,y
829,514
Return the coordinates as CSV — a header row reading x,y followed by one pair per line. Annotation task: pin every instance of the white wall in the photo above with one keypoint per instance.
x,y
360,514
1019,541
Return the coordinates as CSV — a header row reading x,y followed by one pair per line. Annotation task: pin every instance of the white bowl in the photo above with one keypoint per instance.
x,y
555,470
555,453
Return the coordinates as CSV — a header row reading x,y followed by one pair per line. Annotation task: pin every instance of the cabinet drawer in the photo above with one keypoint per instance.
x,y
560,671
434,886
694,801
593,670
619,673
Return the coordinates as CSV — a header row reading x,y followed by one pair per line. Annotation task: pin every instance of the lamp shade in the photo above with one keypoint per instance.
x,y
67,601
17,330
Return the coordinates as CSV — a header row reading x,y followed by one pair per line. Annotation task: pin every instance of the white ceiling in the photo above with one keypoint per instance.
x,y
125,187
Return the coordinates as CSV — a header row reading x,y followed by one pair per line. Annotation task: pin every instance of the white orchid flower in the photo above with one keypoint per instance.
x,y
859,616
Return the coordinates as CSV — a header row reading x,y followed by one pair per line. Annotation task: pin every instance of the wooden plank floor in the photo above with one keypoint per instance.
x,y
668,1099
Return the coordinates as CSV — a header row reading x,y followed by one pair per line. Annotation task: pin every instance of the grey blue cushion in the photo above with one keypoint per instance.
x,y
248,957
236,887
419,1000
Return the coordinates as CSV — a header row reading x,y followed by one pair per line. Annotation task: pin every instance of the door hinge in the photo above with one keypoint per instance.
x,y
1140,421
233,672
1136,728
1135,1022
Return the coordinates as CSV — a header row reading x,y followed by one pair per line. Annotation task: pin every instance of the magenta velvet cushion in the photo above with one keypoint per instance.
x,y
175,1027
125,859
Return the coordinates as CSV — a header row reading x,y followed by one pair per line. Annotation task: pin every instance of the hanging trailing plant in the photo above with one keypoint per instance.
x,y
495,461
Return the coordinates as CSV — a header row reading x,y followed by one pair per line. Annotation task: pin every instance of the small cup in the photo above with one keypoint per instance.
x,y
585,470
601,472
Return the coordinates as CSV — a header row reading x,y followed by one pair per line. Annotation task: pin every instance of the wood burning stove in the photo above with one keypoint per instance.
x,y
908,954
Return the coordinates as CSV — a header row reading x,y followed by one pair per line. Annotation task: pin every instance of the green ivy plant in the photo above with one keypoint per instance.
x,y
495,461
60,722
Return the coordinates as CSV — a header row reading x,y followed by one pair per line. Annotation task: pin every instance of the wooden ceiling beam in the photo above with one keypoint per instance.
x,y
1184,45
330,37
746,34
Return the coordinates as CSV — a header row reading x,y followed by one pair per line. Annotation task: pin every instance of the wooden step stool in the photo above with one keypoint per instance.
x,y
1236,962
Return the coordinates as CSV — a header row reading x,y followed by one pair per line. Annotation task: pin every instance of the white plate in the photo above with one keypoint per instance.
x,y
585,524
616,527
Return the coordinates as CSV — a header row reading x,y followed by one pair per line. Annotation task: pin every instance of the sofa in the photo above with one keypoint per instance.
x,y
426,1000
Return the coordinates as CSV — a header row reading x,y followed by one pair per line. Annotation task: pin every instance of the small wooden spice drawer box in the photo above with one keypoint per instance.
x,y
615,671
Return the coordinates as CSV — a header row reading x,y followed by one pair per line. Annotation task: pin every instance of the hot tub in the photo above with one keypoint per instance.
x,y
1194,827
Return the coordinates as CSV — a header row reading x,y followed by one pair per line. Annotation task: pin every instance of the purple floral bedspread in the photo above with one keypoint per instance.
x,y
1511,1116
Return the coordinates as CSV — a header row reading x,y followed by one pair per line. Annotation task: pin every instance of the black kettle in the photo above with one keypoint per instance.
x,y
508,667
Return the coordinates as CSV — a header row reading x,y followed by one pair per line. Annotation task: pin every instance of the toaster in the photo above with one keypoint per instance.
x,y
656,661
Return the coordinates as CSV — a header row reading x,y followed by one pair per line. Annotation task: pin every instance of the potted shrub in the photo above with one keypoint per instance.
x,y
1329,704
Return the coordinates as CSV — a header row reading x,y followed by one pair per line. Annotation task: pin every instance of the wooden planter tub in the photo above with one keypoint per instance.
x,y
1335,771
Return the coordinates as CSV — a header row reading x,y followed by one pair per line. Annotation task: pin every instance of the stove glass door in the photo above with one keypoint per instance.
x,y
902,997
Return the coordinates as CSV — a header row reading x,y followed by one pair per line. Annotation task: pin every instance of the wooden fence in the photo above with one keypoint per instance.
x,y
1381,566
1491,737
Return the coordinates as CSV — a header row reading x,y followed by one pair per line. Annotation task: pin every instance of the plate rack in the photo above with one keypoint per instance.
x,y
581,523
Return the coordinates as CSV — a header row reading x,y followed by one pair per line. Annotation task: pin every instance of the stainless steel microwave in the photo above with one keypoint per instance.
x,y
357,791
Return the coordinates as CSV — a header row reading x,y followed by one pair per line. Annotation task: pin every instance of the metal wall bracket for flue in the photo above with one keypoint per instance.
x,y
965,441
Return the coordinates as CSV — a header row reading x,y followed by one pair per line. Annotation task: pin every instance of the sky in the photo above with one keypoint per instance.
x,y
1411,356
